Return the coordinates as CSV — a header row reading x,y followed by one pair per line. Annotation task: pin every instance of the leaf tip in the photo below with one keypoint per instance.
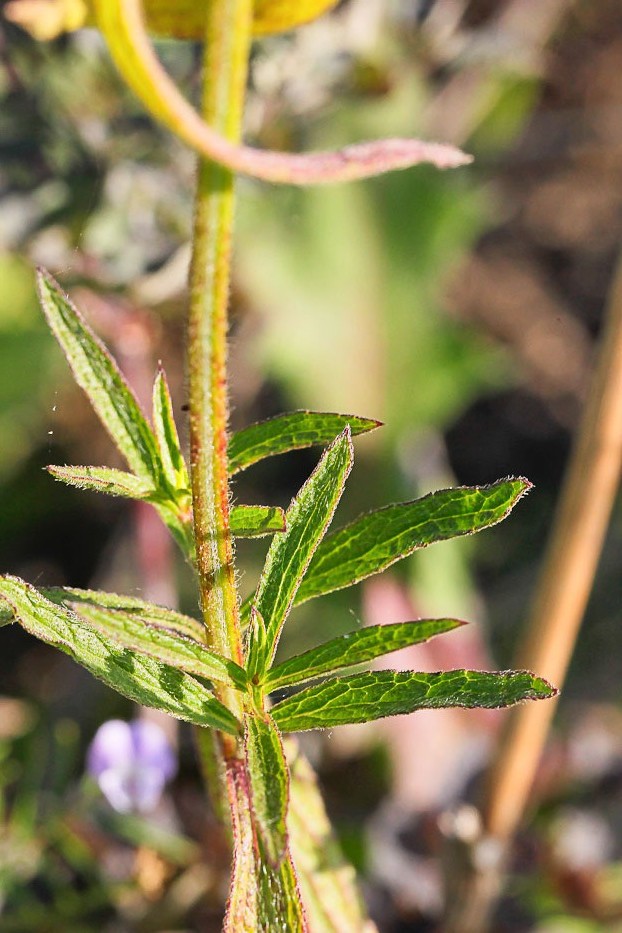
x,y
347,436
345,439
45,279
534,686
526,484
521,487
543,689
363,160
48,290
367,425
524,487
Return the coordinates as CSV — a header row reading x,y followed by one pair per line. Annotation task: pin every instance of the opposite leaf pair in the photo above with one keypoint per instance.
x,y
159,658
299,557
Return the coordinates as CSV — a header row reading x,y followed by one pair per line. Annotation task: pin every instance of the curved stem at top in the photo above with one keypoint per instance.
x,y
123,24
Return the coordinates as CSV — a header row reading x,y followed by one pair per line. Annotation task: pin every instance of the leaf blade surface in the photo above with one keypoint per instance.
x,y
98,375
139,678
167,438
291,431
263,896
378,539
269,784
104,479
255,521
149,613
161,644
377,694
355,648
290,552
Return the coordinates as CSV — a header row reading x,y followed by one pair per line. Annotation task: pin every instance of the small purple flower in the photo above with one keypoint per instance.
x,y
131,763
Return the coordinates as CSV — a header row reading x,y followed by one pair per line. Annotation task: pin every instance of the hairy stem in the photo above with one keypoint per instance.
x,y
227,44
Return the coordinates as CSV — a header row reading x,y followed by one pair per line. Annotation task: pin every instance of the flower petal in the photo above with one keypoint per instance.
x,y
152,750
111,747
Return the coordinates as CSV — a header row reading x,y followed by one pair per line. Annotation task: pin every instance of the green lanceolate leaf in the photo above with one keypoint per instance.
x,y
103,479
376,540
253,521
291,431
156,460
355,648
167,438
278,899
376,694
99,376
289,554
264,896
269,785
121,628
258,637
138,609
139,678
327,882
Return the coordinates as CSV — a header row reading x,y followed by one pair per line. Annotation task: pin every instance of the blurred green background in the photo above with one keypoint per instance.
x,y
459,308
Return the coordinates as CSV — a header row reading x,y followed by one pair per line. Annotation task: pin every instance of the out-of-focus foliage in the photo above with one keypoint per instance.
x,y
67,861
26,373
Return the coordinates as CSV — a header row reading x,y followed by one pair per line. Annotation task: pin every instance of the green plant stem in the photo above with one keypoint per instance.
x,y
227,43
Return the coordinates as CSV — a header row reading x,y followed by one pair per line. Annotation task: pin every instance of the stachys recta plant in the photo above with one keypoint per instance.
x,y
220,673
